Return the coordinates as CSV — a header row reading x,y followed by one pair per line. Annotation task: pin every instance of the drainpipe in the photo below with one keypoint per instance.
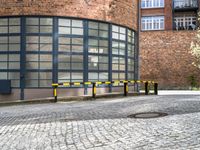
x,y
138,45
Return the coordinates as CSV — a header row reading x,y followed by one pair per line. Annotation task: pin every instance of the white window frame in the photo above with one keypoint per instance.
x,y
152,23
152,3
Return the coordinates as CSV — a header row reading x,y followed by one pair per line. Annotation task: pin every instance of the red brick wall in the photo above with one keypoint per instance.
x,y
165,57
152,12
168,15
122,12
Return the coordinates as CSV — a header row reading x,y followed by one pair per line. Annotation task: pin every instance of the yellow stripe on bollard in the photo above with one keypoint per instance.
x,y
77,83
138,81
87,83
127,88
132,81
125,81
55,92
95,90
108,82
66,84
54,84
116,82
98,82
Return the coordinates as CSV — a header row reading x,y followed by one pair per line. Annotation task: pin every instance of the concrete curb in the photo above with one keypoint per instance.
x,y
67,99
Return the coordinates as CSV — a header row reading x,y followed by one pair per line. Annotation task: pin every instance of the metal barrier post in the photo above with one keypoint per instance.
x,y
156,88
146,88
94,90
55,93
125,89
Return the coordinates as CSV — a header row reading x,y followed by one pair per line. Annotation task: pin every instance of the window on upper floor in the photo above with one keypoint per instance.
x,y
153,23
152,3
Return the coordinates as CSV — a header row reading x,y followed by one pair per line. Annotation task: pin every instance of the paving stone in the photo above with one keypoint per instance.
x,y
103,124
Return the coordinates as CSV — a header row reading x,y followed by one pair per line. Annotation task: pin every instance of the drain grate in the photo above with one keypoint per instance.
x,y
146,115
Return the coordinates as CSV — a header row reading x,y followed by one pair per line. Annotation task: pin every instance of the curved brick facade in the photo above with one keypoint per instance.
x,y
122,12
165,57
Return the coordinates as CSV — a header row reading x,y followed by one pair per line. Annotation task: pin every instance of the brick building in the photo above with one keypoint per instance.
x,y
65,41
167,29
90,40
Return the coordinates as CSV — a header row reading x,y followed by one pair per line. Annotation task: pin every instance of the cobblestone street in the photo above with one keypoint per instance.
x,y
103,124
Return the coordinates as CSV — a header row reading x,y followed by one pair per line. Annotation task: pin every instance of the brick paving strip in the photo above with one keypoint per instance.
x,y
103,124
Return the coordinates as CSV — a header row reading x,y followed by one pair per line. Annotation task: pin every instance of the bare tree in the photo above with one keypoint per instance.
x,y
195,49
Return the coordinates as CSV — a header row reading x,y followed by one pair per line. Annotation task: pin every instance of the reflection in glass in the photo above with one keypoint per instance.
x,y
3,22
14,29
32,21
64,22
32,29
3,76
77,23
64,30
3,30
46,21
14,65
72,53
63,76
14,47
3,65
77,31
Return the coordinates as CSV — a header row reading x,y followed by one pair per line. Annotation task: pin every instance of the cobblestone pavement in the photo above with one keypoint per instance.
x,y
103,125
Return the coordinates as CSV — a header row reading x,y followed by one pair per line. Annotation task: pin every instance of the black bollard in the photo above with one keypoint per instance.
x,y
125,89
94,90
146,88
156,88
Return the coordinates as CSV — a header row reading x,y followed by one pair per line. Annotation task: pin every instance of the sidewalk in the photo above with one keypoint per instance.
x,y
67,99
178,92
89,97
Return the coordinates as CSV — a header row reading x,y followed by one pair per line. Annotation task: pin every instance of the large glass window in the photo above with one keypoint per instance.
x,y
39,52
68,26
118,52
10,50
68,50
153,23
98,60
152,3
131,54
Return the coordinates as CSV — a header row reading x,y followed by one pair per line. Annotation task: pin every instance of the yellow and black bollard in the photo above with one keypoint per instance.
x,y
94,90
55,92
125,88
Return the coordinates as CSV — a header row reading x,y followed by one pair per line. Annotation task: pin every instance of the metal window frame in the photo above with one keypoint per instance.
x,y
23,70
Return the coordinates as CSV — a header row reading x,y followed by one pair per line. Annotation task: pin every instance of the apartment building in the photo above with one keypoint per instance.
x,y
167,28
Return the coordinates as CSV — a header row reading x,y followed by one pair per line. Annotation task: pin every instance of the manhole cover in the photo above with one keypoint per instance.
x,y
147,115
67,119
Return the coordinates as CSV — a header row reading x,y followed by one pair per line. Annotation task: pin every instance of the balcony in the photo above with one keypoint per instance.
x,y
182,27
185,5
185,23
